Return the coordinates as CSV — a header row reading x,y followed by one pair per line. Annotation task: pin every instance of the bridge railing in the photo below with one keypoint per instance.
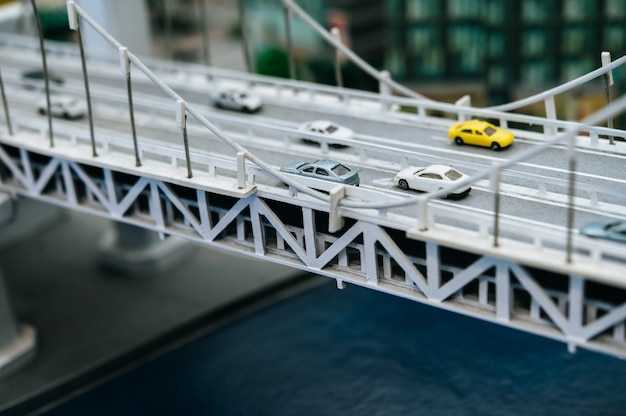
x,y
429,214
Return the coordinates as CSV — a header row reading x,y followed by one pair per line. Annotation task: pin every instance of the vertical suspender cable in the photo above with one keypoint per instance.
x,y
45,70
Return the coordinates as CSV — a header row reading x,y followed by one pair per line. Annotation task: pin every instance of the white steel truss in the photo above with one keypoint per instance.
x,y
569,308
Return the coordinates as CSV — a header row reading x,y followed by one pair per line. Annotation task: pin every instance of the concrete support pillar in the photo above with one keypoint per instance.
x,y
8,327
130,250
17,342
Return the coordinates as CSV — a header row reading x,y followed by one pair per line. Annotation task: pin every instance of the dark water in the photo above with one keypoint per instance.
x,y
360,352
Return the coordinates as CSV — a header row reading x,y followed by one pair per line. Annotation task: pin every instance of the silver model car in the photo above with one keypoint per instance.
x,y
64,106
328,129
234,99
329,170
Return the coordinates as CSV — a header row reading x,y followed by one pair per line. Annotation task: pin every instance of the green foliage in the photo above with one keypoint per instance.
x,y
274,62
54,23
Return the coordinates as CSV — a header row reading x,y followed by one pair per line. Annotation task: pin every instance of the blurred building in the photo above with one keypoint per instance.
x,y
509,47
362,25
494,50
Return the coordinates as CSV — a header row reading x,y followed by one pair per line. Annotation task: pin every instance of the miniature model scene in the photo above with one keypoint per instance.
x,y
180,179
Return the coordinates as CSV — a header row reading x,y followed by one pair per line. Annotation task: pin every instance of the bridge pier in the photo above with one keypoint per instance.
x,y
17,342
130,250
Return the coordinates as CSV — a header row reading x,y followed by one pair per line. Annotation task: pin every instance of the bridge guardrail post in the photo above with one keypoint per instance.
x,y
335,220
422,214
550,115
181,122
384,88
241,170
464,101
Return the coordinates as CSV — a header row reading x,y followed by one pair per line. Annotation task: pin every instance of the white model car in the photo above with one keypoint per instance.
x,y
431,179
234,99
64,106
328,129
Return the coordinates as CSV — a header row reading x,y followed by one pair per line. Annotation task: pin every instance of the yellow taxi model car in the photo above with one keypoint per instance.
x,y
480,133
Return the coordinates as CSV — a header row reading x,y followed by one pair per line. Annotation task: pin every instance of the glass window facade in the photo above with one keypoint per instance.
x,y
465,8
422,9
536,11
615,9
534,42
580,10
422,39
614,38
507,43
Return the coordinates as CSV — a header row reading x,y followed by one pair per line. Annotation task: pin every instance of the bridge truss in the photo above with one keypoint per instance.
x,y
293,229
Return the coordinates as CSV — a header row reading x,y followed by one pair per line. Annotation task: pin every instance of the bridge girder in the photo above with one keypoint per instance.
x,y
293,232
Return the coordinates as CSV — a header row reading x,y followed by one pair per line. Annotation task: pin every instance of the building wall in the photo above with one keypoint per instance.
x,y
507,45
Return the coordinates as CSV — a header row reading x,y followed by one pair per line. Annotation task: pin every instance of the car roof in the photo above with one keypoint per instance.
x,y
476,124
326,163
55,99
440,169
319,123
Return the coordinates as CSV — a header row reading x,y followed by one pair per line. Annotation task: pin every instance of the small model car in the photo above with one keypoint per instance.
x,y
329,170
613,230
431,179
64,106
234,99
37,76
328,129
480,133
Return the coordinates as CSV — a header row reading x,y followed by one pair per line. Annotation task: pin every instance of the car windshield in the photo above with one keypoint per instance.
x,y
340,169
331,129
489,131
616,227
453,175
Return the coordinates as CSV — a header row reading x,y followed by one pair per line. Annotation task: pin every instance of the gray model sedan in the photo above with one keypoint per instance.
x,y
329,170
613,230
